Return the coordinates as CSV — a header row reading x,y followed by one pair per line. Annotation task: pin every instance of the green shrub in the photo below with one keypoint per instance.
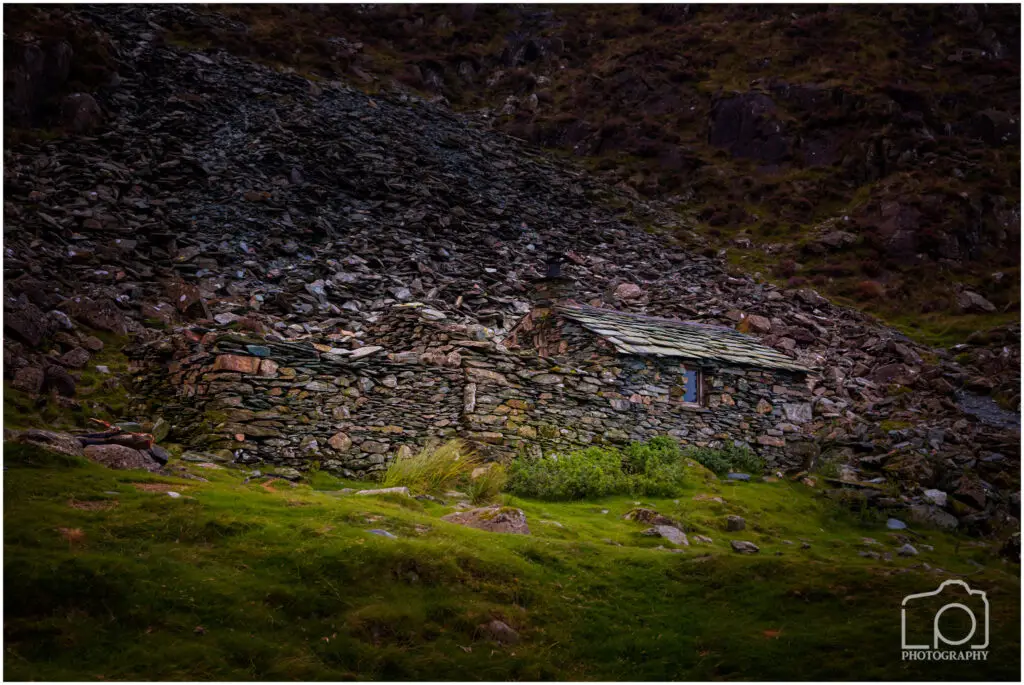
x,y
486,487
640,457
593,472
654,469
745,459
432,469
729,458
713,460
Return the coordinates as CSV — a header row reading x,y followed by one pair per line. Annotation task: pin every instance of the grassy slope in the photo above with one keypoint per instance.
x,y
289,585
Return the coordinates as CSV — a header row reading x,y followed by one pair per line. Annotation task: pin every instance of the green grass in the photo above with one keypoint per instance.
x,y
236,581
946,330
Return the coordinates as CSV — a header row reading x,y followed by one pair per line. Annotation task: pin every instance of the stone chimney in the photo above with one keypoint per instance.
x,y
553,287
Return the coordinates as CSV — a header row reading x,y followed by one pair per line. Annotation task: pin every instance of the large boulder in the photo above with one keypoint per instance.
x,y
81,112
57,378
932,516
26,322
102,314
492,519
64,443
970,301
120,457
28,378
628,292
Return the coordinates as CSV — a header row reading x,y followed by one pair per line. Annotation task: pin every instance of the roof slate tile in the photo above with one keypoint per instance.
x,y
650,335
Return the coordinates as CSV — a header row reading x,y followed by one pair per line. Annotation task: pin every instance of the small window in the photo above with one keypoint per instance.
x,y
687,388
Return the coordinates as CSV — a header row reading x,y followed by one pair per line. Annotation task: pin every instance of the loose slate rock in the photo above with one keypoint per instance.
x,y
670,533
895,524
738,476
933,516
500,632
386,491
735,523
492,519
744,547
648,516
159,454
287,473
383,533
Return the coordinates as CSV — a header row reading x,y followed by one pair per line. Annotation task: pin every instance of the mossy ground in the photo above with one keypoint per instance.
x,y
248,581
98,395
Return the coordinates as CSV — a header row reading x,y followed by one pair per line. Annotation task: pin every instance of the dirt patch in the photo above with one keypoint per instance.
x,y
157,487
74,536
100,505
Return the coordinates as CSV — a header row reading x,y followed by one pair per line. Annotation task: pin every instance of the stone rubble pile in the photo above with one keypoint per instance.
x,y
222,195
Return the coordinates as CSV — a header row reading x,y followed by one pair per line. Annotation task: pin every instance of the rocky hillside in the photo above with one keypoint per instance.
x,y
871,152
183,189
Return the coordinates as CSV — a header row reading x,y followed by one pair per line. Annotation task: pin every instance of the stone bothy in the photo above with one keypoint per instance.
x,y
567,376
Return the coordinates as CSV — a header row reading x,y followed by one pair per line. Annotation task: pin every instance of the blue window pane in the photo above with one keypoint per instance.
x,y
689,386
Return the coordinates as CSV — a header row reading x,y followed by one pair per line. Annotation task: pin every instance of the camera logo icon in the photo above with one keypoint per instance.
x,y
958,618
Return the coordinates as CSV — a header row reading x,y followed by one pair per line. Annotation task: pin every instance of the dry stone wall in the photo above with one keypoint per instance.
x,y
291,404
539,404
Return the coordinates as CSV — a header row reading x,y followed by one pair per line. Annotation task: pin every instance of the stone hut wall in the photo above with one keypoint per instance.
x,y
292,403
598,395
536,404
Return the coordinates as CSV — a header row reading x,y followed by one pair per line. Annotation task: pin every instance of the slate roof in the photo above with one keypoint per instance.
x,y
657,337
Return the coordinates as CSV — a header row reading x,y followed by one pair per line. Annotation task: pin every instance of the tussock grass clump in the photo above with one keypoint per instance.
x,y
488,485
433,469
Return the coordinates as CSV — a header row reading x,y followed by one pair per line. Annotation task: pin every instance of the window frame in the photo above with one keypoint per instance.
x,y
699,381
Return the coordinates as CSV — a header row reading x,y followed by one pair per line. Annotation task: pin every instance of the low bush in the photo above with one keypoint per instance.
x,y
432,469
729,458
653,469
593,472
